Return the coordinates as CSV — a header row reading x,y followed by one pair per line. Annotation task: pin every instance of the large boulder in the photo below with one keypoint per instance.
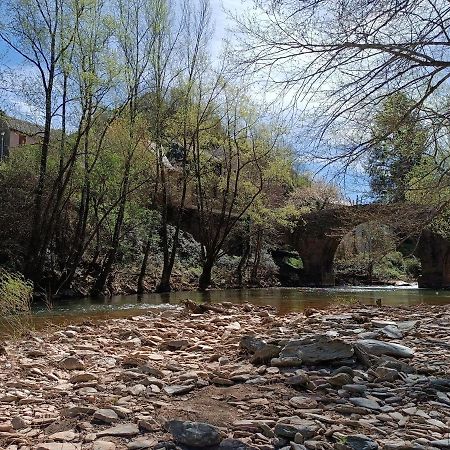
x,y
317,349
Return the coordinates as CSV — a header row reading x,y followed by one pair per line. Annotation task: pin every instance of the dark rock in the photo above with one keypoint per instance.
x,y
194,434
265,354
251,343
317,349
299,380
307,428
360,442
233,444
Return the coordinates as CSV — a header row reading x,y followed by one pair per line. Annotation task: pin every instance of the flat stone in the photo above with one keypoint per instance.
x,y
18,423
317,349
378,348
365,403
194,434
141,444
64,436
123,430
307,428
234,444
82,378
178,389
360,442
303,402
56,446
105,416
103,445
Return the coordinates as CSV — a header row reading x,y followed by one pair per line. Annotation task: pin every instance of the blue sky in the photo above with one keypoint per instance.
x,y
354,185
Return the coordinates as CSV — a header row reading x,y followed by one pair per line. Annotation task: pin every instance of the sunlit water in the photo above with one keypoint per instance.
x,y
284,300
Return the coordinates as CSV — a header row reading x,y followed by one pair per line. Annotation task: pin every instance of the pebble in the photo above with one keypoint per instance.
x,y
289,381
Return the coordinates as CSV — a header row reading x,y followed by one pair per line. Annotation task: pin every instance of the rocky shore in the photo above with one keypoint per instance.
x,y
233,377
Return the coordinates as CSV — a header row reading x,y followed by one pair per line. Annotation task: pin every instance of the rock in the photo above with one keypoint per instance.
x,y
82,378
122,430
307,428
251,343
360,442
300,380
317,349
18,423
103,445
340,379
392,332
56,446
176,344
71,363
303,402
264,354
442,443
141,443
234,444
194,434
64,436
386,374
286,362
105,416
365,403
75,411
178,389
356,388
378,348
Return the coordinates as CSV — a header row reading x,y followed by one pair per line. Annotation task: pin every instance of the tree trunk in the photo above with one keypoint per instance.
x,y
205,278
141,279
164,283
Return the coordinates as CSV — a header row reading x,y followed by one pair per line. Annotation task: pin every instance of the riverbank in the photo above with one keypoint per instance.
x,y
348,377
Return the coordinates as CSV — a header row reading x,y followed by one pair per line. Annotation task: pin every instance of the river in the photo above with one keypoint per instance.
x,y
284,299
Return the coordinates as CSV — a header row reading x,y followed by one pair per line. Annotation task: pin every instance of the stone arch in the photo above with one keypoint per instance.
x,y
317,239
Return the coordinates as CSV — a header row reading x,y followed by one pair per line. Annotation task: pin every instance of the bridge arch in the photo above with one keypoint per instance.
x,y
317,238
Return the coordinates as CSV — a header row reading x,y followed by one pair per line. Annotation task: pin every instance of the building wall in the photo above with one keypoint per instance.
x,y
14,140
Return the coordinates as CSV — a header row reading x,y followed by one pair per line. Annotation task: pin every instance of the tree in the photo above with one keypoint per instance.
x,y
344,58
399,144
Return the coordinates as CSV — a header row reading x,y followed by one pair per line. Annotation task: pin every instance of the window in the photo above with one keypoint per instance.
x,y
22,139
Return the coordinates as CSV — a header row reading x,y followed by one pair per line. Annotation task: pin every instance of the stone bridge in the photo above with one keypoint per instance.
x,y
318,235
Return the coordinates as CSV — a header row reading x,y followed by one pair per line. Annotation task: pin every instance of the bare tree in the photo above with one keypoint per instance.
x,y
342,58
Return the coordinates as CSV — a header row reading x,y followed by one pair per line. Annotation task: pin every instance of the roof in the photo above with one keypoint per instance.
x,y
22,126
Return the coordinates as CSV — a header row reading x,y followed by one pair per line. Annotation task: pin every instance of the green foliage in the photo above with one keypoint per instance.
x,y
15,302
399,144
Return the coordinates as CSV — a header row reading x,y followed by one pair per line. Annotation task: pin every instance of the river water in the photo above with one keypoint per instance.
x,y
284,299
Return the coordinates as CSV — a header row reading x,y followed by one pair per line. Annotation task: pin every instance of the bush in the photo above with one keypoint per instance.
x,y
15,302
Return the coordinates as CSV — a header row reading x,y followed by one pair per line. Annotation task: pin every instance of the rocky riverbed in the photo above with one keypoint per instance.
x,y
237,377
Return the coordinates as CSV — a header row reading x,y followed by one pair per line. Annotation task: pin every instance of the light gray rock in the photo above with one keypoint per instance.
x,y
122,430
378,348
105,416
365,403
178,389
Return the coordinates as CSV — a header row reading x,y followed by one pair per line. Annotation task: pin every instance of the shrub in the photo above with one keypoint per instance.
x,y
15,302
